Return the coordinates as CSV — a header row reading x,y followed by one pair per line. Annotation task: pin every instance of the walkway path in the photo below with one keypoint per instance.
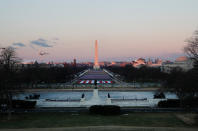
x,y
107,128
91,75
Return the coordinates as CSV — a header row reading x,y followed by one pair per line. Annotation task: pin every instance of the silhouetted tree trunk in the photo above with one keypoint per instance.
x,y
9,62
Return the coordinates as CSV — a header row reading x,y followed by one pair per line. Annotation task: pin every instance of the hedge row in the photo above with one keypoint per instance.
x,y
187,103
105,109
19,104
169,103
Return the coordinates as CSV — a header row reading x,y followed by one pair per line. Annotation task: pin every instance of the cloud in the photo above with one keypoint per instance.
x,y
41,42
19,44
31,46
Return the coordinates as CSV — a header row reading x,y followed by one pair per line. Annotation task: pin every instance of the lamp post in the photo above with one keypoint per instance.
x,y
95,83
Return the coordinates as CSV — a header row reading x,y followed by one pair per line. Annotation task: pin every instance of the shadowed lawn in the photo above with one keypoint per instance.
x,y
42,120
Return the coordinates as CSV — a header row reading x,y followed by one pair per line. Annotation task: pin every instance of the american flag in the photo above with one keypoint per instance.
x,y
92,82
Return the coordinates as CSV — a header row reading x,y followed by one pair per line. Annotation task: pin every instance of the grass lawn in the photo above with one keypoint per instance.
x,y
42,120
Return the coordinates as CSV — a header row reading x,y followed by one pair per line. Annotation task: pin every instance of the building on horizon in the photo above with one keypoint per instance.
x,y
182,62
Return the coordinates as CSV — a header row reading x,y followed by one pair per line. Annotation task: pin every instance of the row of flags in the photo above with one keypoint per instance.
x,y
92,82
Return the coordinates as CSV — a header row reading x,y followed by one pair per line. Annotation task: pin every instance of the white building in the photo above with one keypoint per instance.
x,y
183,63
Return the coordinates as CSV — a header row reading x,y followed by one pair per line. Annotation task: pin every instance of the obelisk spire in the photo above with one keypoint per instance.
x,y
96,64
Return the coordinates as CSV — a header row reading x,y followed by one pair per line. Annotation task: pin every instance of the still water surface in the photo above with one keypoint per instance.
x,y
103,95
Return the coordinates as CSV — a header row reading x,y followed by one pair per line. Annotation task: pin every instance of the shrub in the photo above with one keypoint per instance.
x,y
18,104
186,103
190,102
3,104
159,95
23,104
105,109
169,103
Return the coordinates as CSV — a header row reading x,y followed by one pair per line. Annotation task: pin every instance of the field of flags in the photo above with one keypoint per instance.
x,y
92,82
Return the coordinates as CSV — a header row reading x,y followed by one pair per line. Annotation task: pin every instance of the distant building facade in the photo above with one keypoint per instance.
x,y
142,62
183,63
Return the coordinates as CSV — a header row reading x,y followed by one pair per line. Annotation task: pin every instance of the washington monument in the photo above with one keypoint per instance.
x,y
96,64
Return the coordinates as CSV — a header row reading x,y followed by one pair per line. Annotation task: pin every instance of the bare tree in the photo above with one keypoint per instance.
x,y
8,66
9,58
191,48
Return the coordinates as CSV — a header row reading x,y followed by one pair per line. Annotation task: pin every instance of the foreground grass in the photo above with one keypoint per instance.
x,y
43,120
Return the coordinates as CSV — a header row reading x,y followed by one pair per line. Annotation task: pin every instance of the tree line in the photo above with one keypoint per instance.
x,y
41,75
13,76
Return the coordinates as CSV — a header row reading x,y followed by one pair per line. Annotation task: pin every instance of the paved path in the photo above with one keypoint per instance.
x,y
91,89
95,75
106,128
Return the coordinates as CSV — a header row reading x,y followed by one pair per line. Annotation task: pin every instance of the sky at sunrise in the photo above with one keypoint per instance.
x,y
125,29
